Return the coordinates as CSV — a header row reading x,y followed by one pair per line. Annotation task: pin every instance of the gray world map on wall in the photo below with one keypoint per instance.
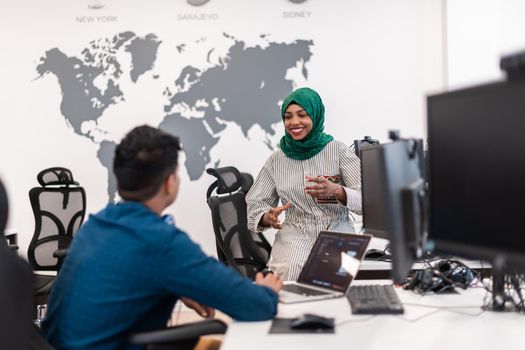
x,y
243,88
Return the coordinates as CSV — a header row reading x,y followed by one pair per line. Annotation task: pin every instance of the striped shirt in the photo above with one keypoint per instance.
x,y
283,179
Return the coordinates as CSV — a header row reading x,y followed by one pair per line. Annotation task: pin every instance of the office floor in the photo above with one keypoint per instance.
x,y
183,315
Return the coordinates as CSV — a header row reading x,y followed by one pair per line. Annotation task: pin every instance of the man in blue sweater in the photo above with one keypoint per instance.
x,y
128,266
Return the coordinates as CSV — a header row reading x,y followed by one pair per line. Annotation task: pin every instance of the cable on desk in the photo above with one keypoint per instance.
x,y
435,310
481,311
440,309
445,275
455,308
420,317
443,307
355,321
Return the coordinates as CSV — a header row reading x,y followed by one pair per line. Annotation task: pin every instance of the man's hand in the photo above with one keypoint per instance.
x,y
270,280
202,310
271,217
322,188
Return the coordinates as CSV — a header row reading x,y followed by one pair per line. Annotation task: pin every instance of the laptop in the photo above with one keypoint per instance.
x,y
331,266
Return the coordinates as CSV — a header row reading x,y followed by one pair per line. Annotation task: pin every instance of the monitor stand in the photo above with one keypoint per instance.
x,y
501,300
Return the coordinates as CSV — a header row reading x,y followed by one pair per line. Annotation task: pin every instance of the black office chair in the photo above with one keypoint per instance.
x,y
182,337
59,207
16,295
237,246
358,144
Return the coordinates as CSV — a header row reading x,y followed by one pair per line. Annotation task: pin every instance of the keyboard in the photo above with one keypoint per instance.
x,y
373,299
297,289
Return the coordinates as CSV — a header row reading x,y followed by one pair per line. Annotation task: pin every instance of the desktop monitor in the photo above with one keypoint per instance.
x,y
392,190
477,172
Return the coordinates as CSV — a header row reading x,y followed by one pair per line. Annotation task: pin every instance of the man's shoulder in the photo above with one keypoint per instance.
x,y
131,220
128,213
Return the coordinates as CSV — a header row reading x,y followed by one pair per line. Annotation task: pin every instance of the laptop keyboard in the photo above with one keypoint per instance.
x,y
374,299
297,289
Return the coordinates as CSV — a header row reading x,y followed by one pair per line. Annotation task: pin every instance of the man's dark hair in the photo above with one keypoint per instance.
x,y
144,158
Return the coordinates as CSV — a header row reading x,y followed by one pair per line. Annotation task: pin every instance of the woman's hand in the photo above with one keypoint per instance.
x,y
202,310
271,217
322,187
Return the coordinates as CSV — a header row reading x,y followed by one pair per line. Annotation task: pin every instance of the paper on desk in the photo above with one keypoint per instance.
x,y
349,264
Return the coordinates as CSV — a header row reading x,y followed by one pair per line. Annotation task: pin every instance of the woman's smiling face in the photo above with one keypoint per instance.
x,y
297,122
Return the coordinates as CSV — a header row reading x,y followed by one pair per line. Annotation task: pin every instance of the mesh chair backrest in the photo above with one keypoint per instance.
x,y
237,246
59,208
229,210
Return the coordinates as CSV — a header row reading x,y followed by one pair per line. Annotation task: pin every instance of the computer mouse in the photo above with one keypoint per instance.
x,y
374,254
311,321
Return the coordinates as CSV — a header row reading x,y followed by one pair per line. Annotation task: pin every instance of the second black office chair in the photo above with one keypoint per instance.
x,y
237,246
59,207
358,144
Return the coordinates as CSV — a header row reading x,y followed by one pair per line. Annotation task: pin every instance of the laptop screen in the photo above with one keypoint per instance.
x,y
334,260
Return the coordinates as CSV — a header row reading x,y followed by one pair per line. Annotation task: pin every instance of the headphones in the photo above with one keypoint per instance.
x,y
446,275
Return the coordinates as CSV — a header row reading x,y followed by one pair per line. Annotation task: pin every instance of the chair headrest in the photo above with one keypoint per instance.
x,y
56,176
3,208
229,179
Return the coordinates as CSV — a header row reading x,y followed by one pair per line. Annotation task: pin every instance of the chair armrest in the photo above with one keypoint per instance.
x,y
60,253
242,261
12,240
179,333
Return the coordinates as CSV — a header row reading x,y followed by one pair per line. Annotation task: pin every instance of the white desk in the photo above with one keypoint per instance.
x,y
453,321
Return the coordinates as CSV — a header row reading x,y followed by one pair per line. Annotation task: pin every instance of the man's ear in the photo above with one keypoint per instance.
x,y
169,184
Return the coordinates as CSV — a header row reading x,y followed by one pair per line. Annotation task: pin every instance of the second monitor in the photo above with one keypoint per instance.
x,y
393,199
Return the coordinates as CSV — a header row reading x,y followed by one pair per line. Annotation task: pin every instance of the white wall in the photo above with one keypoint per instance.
x,y
373,62
478,33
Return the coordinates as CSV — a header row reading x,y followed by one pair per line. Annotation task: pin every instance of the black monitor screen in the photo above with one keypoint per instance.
x,y
477,171
389,172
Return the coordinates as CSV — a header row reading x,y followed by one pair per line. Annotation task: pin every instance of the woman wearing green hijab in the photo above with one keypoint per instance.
x,y
315,178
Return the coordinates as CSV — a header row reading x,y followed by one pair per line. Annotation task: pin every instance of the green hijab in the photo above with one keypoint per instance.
x,y
315,141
